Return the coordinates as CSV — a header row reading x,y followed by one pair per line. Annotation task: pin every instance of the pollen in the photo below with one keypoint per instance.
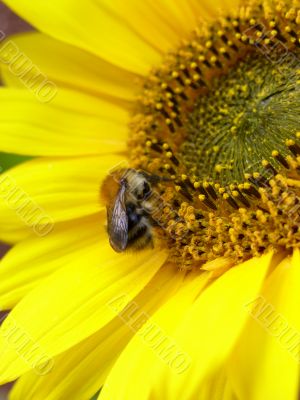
x,y
218,123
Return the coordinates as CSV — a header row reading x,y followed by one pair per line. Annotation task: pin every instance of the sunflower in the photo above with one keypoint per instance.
x,y
203,96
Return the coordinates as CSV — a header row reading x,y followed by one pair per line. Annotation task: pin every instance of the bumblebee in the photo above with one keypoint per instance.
x,y
128,196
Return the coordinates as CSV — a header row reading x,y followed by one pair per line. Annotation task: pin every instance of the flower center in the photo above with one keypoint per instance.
x,y
245,116
218,122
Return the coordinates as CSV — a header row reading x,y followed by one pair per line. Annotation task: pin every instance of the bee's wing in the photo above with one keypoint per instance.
x,y
118,222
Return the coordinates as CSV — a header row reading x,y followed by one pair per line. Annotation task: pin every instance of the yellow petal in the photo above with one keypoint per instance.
x,y
212,326
265,362
143,30
185,15
80,372
89,25
71,124
32,260
136,371
203,336
70,305
216,387
40,192
65,65
13,234
162,23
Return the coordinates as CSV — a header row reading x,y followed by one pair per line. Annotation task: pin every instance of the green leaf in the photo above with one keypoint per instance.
x,y
9,160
